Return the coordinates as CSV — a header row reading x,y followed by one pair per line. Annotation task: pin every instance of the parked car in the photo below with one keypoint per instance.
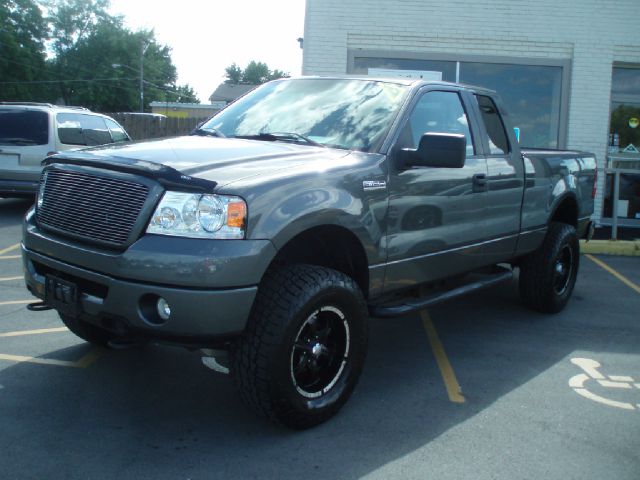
x,y
292,215
29,132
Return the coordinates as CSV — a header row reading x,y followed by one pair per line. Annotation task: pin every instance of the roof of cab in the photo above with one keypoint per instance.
x,y
410,82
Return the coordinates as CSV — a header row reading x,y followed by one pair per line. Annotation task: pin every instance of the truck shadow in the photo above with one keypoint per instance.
x,y
12,210
156,412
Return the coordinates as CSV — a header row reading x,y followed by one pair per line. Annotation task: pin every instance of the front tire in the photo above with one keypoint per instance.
x,y
548,275
304,346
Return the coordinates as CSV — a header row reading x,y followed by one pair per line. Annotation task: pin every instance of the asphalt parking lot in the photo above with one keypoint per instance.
x,y
477,388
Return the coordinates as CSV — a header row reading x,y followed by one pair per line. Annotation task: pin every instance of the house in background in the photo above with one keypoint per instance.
x,y
227,93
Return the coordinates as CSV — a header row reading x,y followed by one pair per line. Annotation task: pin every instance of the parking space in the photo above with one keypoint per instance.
x,y
475,388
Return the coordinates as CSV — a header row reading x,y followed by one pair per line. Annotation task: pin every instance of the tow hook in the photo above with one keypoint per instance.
x,y
38,307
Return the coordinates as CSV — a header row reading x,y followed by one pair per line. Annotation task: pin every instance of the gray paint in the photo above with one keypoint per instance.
x,y
193,312
427,223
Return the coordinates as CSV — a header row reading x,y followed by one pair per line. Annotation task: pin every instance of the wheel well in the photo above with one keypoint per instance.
x,y
328,246
566,212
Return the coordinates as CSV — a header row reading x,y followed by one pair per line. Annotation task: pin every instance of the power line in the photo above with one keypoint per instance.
x,y
85,80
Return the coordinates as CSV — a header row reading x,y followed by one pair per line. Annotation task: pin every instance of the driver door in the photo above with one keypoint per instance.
x,y
436,218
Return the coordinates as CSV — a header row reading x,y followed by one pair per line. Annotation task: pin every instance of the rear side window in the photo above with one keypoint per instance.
x,y
117,132
24,127
82,129
498,142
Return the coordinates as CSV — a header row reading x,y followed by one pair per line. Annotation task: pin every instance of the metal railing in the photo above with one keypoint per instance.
x,y
616,166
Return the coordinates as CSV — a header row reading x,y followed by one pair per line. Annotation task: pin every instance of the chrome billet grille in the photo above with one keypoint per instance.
x,y
91,207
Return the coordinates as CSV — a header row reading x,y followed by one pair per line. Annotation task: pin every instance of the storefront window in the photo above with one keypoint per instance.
x,y
629,201
531,95
532,92
361,65
625,111
624,146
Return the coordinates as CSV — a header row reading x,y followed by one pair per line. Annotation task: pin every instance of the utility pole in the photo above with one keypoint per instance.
x,y
142,50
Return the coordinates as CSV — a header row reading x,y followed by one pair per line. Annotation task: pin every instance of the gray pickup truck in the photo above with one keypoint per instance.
x,y
277,227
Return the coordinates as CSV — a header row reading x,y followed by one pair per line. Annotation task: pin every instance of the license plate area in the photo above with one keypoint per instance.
x,y
62,295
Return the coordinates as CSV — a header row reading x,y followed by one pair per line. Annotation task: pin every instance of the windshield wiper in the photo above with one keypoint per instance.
x,y
207,132
282,136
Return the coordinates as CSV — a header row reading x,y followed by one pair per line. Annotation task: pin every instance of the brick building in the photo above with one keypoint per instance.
x,y
569,72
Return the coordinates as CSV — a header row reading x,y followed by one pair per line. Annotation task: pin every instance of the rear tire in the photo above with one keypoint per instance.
x,y
548,275
304,346
86,331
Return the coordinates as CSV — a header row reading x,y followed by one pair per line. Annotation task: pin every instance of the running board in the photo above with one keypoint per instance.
x,y
415,304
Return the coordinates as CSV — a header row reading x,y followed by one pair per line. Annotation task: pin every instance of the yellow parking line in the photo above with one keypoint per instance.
x,y
40,361
90,357
10,257
613,272
84,362
17,302
7,279
8,249
20,333
448,375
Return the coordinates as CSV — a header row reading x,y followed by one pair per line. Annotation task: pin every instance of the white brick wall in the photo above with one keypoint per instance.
x,y
591,33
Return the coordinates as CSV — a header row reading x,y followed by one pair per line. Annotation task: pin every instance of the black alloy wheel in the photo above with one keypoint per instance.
x,y
563,270
303,349
320,352
548,275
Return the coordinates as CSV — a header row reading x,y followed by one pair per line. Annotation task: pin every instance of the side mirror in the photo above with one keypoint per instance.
x,y
443,150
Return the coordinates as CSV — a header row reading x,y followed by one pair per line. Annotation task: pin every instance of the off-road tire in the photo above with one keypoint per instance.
x,y
542,286
86,331
288,300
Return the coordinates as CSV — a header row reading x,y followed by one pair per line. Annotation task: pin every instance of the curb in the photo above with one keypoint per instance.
x,y
611,247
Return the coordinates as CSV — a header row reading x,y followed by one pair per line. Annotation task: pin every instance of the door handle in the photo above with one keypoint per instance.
x,y
480,182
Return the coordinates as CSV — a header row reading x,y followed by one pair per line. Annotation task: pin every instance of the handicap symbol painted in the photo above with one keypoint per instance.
x,y
591,372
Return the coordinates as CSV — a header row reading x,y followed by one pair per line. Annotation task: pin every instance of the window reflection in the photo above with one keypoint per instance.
x,y
438,112
351,114
531,95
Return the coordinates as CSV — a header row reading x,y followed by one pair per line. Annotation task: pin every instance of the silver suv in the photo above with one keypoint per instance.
x,y
30,132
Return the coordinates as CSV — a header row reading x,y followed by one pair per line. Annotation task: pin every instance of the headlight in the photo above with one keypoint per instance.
x,y
199,216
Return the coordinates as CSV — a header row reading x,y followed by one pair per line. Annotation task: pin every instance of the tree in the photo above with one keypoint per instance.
x,y
23,31
84,27
86,42
254,73
233,74
72,21
184,94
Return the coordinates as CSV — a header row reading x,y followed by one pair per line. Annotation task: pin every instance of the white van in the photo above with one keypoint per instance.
x,y
30,132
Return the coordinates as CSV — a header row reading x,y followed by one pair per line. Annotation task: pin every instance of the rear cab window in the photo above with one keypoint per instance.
x,y
82,129
497,136
22,127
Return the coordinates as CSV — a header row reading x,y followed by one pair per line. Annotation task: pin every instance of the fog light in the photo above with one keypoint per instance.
x,y
163,309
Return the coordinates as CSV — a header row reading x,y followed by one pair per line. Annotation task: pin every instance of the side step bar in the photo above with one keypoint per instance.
x,y
415,304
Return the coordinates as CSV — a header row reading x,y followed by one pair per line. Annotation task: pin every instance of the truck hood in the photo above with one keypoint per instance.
x,y
219,160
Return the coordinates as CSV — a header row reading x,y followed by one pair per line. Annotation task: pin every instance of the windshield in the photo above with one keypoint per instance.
x,y
349,114
23,127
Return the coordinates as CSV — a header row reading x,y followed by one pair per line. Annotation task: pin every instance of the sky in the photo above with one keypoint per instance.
x,y
206,36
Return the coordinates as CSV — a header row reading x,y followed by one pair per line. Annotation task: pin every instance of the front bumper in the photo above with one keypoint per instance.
x,y
210,285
